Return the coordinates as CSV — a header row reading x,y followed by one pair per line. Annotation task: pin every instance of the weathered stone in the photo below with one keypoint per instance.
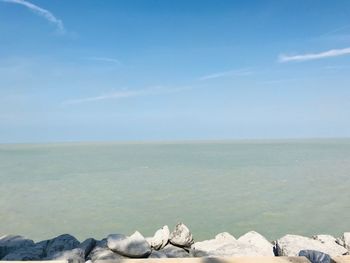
x,y
134,246
10,243
330,241
61,243
75,255
225,236
102,252
345,239
172,251
87,246
315,256
181,236
160,238
253,238
291,245
157,254
26,253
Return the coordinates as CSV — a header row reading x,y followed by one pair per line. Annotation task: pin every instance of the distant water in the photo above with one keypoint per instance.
x,y
93,189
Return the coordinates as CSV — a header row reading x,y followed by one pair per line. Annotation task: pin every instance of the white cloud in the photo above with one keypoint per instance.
x,y
313,56
41,12
127,94
238,72
105,59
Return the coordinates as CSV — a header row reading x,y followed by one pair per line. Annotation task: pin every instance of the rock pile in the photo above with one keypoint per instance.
x,y
165,244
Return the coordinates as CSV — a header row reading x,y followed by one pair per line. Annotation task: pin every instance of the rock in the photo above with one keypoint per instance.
x,y
291,245
315,256
87,246
157,254
160,238
174,252
181,236
10,243
102,252
345,239
59,244
253,238
330,241
75,255
26,254
134,246
225,236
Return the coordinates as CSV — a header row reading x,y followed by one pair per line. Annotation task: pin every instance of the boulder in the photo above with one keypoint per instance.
x,y
181,236
157,254
134,246
225,236
315,256
26,254
291,245
75,255
59,244
160,238
253,238
330,241
87,246
172,251
102,252
10,243
345,240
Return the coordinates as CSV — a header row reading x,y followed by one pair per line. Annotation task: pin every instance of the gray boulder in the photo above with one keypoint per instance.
x,y
76,255
102,252
26,254
291,245
315,256
157,254
59,244
10,243
181,236
172,251
134,246
255,239
160,238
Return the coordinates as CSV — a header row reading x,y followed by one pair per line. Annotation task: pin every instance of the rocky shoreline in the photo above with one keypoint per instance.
x,y
178,243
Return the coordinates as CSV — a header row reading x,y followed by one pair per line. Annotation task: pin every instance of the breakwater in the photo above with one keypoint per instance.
x,y
178,243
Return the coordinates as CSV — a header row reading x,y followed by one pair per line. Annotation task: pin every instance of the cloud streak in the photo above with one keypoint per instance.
x,y
104,59
126,94
41,12
313,56
230,73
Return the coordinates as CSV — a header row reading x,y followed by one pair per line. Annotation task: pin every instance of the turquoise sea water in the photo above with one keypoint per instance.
x,y
93,189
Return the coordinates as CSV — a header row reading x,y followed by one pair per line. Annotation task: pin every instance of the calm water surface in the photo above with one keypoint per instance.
x,y
93,189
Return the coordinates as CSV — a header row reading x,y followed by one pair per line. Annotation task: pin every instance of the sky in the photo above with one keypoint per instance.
x,y
144,70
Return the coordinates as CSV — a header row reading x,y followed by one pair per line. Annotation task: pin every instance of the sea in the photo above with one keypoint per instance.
x,y
275,187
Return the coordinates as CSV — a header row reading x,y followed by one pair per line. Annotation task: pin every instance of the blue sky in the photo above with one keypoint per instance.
x,y
88,70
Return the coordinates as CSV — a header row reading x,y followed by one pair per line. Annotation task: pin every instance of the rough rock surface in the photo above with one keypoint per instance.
x,y
181,236
10,243
315,256
102,252
172,251
134,246
157,254
160,238
255,239
75,255
61,243
345,240
291,245
225,236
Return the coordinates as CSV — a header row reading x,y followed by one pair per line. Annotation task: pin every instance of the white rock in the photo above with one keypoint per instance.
x,y
134,246
291,245
225,236
181,236
160,238
346,240
253,238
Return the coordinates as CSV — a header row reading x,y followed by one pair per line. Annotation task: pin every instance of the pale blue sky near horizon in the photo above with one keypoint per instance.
x,y
173,70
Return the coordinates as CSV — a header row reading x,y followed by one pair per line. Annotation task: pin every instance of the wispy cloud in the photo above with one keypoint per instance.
x,y
105,59
230,73
312,56
127,94
41,12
